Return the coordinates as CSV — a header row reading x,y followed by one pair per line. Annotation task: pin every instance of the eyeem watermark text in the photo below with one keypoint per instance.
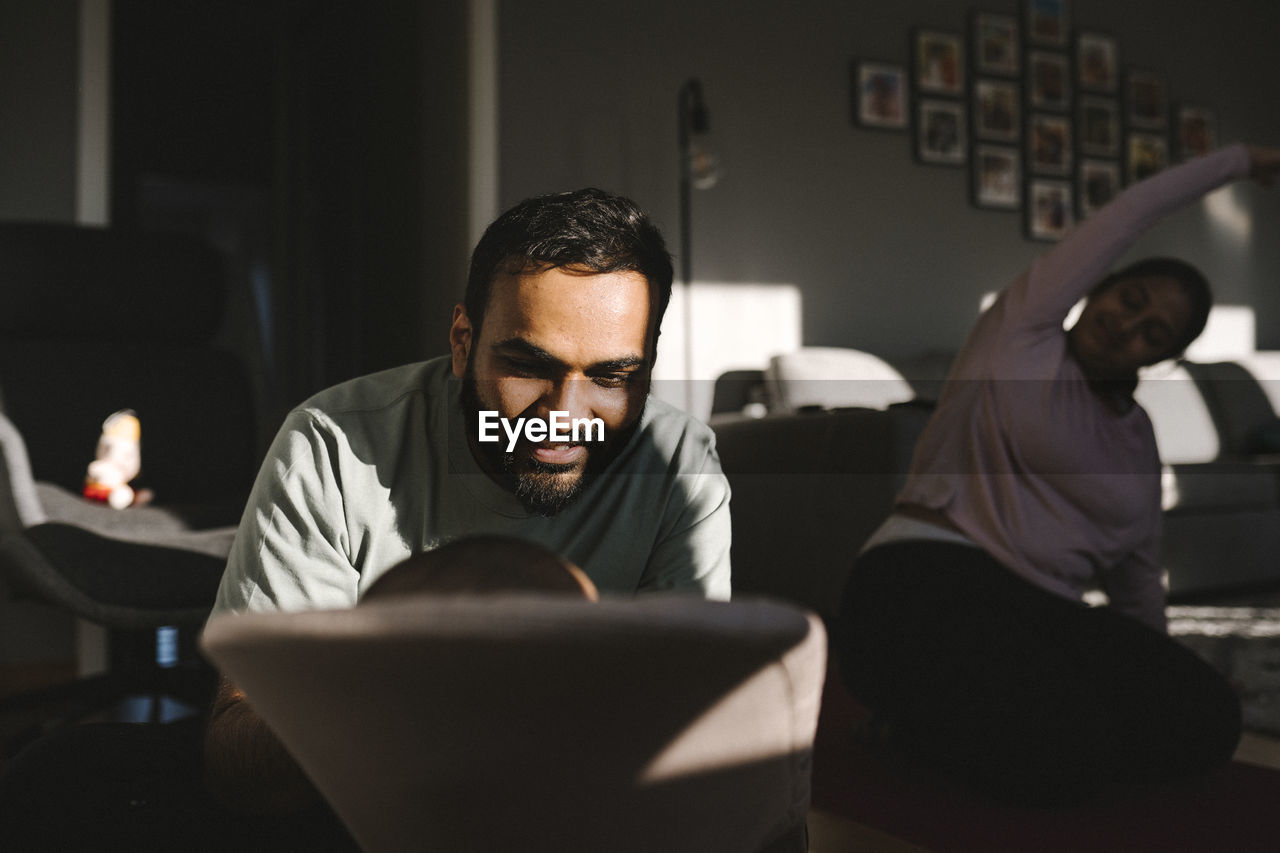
x,y
558,428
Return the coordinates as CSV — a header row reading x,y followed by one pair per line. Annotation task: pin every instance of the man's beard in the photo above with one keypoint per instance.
x,y
543,488
546,488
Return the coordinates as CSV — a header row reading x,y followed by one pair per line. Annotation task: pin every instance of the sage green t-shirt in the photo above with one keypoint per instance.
x,y
375,469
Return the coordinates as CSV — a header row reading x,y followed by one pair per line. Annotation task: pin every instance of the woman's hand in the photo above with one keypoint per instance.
x,y
1264,164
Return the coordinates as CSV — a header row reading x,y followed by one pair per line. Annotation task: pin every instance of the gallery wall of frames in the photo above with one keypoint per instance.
x,y
1042,112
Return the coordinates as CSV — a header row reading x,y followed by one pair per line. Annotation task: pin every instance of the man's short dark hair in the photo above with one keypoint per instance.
x,y
587,229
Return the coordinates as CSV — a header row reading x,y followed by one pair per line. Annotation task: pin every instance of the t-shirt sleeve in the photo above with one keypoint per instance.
x,y
692,552
1062,276
1135,587
291,551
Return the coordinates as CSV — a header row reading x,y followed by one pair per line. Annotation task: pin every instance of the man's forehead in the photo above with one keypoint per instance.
x,y
563,308
521,269
538,287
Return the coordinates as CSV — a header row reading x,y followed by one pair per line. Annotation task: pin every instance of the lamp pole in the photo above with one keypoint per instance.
x,y
692,120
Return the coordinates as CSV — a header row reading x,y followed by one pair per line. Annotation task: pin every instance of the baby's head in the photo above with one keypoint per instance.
x,y
484,564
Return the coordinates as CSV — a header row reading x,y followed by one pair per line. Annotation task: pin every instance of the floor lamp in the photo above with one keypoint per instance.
x,y
699,169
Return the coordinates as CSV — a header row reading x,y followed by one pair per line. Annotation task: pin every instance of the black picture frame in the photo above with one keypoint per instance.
x,y
1144,154
1048,80
1049,145
1146,100
1098,126
1097,58
1046,22
996,110
937,63
940,133
996,173
1049,209
995,44
1097,182
1195,129
879,95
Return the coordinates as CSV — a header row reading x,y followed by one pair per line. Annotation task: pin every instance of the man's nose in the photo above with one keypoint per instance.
x,y
568,394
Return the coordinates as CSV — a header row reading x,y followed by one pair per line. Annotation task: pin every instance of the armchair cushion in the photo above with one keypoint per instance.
x,y
115,582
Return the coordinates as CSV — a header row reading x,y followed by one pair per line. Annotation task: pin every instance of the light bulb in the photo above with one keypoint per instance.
x,y
703,165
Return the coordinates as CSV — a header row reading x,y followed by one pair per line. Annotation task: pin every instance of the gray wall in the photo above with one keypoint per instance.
x,y
889,255
39,70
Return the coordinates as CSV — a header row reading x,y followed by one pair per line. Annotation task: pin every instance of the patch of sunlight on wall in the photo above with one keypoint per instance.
x,y
1230,333
736,326
1228,215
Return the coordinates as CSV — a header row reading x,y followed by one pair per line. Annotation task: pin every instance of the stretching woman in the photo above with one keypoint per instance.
x,y
962,625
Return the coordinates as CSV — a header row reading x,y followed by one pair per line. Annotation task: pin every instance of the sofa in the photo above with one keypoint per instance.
x,y
1219,436
817,473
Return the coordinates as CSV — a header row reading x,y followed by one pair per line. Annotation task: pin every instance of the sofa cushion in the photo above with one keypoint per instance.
x,y
833,377
808,489
1236,401
1221,486
1184,428
1264,366
1263,439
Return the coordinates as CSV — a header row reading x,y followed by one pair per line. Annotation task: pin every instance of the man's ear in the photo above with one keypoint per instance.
x,y
460,339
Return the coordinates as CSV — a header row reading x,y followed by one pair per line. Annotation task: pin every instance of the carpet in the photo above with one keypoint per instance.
x,y
1243,643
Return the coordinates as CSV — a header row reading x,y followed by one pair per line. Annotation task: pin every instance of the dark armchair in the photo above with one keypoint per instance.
x,y
91,321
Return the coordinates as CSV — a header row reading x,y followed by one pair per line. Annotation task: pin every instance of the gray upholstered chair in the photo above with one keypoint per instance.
x,y
535,722
91,321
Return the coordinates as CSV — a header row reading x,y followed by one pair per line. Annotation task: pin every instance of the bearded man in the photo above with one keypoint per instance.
x,y
559,324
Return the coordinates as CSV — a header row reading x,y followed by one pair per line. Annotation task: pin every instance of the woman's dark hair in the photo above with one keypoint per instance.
x,y
587,228
1193,283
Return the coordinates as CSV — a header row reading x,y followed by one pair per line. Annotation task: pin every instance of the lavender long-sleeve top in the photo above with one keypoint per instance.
x,y
1023,457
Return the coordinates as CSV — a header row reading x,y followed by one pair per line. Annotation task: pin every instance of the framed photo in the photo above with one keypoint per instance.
x,y
940,133
996,111
997,177
1098,123
1097,63
1145,154
1048,80
1097,182
1046,22
1049,210
995,44
939,62
1196,131
1049,145
1146,100
880,95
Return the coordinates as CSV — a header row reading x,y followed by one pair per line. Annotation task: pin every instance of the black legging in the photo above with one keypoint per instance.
x,y
1028,695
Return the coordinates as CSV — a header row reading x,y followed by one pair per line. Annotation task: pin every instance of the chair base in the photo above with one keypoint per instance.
x,y
168,692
